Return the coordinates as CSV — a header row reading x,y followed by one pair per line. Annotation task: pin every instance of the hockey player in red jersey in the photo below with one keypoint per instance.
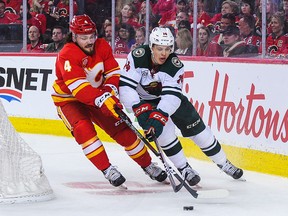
x,y
85,92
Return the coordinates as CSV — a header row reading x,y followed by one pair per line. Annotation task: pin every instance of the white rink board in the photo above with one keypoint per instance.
x,y
35,102
231,94
245,95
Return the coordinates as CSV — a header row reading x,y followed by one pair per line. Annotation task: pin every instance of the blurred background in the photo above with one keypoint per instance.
x,y
211,28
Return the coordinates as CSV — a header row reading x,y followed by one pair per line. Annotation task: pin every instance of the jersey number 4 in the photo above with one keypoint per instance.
x,y
67,66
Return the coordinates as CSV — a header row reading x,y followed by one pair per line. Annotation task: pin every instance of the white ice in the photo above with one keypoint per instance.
x,y
81,190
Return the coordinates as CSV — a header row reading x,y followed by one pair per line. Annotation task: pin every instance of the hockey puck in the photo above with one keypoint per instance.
x,y
188,208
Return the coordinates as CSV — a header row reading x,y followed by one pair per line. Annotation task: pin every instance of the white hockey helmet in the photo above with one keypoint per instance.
x,y
161,36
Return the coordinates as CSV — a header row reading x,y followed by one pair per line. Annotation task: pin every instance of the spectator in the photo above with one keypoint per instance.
x,y
63,12
137,5
139,37
125,39
285,8
13,6
271,8
31,20
108,33
227,7
63,8
182,5
58,36
128,16
277,41
35,45
52,16
247,7
206,47
234,46
38,12
184,24
163,6
142,16
226,20
169,17
181,16
6,18
184,43
203,40
101,33
40,6
203,18
247,31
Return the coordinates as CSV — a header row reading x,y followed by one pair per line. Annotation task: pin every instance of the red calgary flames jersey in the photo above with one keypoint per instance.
x,y
80,76
276,45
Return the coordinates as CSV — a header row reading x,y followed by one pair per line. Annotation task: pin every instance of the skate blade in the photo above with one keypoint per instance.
x,y
123,187
197,187
166,182
241,179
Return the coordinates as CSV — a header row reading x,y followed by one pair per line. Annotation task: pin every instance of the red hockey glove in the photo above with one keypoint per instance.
x,y
156,122
107,103
142,111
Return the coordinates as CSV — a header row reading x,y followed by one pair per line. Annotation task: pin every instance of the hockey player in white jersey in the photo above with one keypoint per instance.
x,y
151,87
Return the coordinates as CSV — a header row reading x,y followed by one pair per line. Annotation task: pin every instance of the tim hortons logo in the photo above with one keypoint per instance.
x,y
248,116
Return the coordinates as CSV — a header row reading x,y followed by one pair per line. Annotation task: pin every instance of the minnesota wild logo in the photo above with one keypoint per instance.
x,y
139,52
176,62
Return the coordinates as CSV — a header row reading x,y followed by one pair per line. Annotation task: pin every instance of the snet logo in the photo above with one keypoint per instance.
x,y
13,81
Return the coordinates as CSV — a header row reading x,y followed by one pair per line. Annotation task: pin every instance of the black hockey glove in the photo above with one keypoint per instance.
x,y
156,122
142,111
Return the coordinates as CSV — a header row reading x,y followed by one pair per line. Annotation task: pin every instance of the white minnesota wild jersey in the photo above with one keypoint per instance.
x,y
140,79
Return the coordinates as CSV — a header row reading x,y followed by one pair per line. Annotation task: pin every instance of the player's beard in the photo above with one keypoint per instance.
x,y
88,49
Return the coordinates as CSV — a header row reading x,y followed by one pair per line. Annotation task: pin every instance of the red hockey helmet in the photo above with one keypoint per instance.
x,y
82,24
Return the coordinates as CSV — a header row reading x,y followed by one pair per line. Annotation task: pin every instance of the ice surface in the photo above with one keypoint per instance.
x,y
81,190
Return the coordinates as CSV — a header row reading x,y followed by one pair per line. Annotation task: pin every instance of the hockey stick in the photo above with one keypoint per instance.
x,y
159,154
217,193
170,170
207,194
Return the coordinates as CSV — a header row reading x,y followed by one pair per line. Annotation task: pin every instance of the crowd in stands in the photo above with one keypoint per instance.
x,y
225,28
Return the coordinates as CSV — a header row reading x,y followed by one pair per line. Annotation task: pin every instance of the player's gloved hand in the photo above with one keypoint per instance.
x,y
107,103
154,125
142,111
110,88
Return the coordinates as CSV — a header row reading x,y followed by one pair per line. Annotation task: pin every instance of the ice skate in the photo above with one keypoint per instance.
x,y
231,170
155,172
114,176
190,175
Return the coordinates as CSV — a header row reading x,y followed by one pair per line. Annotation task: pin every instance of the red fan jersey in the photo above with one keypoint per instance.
x,y
276,45
80,76
254,40
63,8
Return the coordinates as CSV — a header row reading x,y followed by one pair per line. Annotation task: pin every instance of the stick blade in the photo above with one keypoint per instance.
x,y
213,194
